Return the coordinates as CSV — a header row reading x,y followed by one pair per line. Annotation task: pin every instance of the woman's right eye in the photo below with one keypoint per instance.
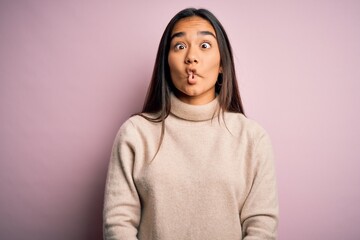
x,y
180,46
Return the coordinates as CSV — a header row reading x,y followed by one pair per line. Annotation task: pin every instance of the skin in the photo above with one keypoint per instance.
x,y
194,60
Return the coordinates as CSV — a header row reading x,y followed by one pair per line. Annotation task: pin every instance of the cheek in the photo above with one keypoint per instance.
x,y
213,62
175,67
173,61
170,59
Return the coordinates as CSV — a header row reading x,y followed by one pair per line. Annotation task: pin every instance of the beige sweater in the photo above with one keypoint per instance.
x,y
209,181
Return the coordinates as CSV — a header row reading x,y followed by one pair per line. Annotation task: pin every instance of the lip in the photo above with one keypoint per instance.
x,y
192,72
190,69
192,77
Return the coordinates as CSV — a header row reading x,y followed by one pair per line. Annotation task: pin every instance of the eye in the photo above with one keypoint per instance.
x,y
205,45
179,46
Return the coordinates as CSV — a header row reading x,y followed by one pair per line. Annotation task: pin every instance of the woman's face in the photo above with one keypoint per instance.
x,y
194,60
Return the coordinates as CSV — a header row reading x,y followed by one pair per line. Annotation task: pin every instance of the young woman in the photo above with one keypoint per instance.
x,y
191,165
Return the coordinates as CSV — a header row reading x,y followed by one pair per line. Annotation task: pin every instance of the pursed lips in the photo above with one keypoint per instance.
x,y
191,77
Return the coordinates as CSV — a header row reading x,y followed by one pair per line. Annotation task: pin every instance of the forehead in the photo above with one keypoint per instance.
x,y
193,24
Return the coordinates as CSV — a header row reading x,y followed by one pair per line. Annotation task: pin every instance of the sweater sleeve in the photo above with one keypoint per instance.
x,y
259,215
122,209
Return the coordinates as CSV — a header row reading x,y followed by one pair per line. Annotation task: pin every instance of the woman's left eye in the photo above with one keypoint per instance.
x,y
205,45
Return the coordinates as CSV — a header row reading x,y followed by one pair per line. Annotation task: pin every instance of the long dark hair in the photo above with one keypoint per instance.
x,y
158,96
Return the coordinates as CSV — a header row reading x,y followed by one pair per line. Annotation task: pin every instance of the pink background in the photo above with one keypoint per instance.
x,y
72,71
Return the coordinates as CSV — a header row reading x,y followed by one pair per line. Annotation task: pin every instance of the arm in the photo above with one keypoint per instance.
x,y
122,207
259,216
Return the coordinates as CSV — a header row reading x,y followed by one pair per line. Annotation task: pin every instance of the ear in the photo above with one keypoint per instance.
x,y
220,70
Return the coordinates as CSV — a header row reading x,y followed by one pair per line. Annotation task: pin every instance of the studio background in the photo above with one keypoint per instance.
x,y
71,72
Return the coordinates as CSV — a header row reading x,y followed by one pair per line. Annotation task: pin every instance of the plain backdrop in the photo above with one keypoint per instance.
x,y
71,72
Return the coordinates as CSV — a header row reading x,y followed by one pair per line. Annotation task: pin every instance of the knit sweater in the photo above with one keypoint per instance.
x,y
212,178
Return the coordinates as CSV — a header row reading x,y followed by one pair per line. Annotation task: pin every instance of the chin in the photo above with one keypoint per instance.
x,y
191,94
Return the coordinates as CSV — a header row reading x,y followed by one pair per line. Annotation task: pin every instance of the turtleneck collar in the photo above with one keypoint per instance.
x,y
194,112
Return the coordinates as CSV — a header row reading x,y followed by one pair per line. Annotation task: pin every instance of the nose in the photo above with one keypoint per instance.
x,y
190,60
191,57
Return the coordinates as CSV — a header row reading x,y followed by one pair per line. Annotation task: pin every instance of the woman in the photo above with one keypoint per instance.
x,y
191,165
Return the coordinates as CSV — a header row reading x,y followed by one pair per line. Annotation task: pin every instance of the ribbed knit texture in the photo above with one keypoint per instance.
x,y
212,179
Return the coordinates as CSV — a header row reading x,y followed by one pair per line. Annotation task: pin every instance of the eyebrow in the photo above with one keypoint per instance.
x,y
203,33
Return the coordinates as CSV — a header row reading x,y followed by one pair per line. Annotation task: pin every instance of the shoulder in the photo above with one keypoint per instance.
x,y
238,124
136,127
136,122
250,131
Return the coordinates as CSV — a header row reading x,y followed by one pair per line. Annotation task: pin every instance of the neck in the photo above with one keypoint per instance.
x,y
192,112
196,100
